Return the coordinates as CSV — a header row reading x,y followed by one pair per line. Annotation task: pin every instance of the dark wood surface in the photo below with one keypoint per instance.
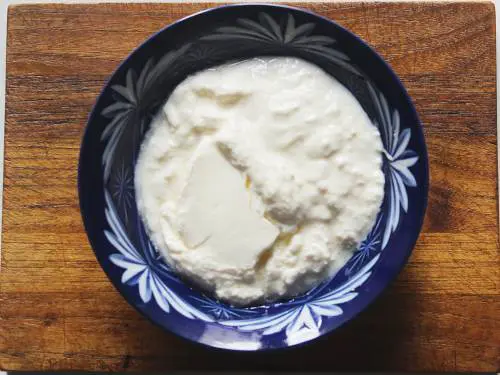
x,y
59,311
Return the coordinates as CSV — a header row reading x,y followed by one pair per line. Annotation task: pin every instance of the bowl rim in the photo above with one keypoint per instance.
x,y
378,289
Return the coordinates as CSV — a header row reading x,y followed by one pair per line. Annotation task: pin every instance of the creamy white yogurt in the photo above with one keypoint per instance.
x,y
258,179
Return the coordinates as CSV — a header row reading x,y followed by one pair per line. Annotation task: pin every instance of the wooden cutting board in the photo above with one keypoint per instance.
x,y
59,311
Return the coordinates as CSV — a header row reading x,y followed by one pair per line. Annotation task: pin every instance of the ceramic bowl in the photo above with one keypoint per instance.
x,y
122,114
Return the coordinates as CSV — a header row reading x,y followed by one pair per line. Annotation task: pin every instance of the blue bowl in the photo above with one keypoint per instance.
x,y
122,114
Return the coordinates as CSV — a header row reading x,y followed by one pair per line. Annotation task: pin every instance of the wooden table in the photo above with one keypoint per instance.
x,y
59,311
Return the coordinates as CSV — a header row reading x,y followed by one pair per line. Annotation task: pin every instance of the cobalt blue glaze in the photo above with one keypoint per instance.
x,y
122,114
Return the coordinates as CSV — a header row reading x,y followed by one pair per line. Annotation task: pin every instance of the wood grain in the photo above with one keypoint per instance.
x,y
57,309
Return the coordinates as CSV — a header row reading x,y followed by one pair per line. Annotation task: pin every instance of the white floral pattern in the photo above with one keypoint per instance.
x,y
138,270
123,189
220,311
128,102
306,315
299,319
399,160
368,247
268,31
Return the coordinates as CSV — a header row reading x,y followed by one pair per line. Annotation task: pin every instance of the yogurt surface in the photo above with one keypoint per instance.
x,y
258,179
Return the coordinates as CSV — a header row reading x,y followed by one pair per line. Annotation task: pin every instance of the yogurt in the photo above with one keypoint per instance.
x,y
258,179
